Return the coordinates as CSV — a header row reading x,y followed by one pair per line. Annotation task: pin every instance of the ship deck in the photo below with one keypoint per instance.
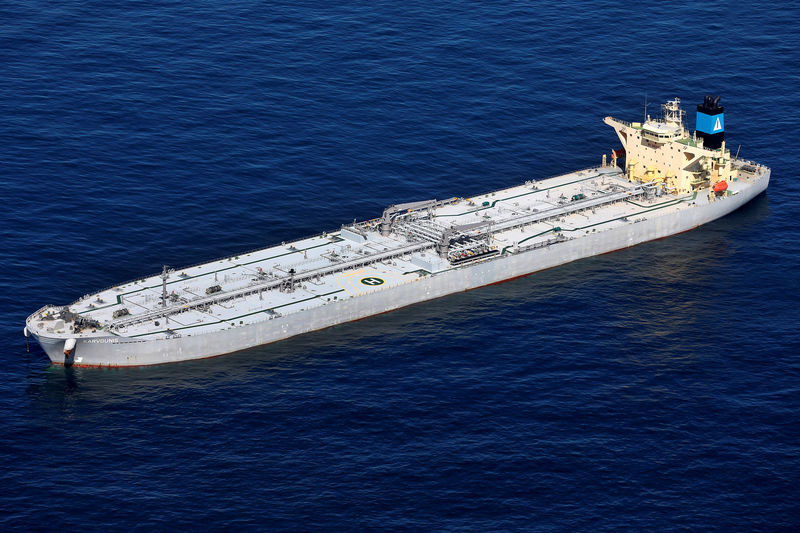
x,y
358,259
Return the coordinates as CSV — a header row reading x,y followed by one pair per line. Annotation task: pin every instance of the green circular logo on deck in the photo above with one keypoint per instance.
x,y
372,281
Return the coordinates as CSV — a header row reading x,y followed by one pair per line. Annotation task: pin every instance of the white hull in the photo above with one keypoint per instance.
x,y
121,351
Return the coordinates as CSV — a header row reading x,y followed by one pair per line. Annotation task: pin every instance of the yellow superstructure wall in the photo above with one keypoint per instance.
x,y
681,163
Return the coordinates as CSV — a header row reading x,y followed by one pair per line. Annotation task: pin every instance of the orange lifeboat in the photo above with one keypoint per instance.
x,y
720,186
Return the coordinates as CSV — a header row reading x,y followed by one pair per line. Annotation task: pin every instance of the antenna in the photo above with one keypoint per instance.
x,y
737,153
645,108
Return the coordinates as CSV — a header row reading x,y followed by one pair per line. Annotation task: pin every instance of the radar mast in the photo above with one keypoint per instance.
x,y
673,114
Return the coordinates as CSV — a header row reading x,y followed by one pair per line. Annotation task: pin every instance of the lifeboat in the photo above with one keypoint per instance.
x,y
720,186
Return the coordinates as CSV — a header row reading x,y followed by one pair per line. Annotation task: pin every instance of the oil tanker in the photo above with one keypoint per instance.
x,y
663,181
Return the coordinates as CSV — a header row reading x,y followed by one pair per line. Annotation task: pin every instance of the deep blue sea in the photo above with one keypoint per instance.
x,y
653,389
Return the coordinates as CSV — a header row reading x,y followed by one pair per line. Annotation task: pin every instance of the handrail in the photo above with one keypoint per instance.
x,y
623,122
218,259
322,234
267,285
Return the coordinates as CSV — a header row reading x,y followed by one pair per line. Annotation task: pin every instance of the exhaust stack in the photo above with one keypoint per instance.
x,y
710,124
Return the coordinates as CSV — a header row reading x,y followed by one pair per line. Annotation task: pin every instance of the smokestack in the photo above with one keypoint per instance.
x,y
710,124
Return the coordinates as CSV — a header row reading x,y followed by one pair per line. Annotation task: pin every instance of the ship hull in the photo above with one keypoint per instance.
x,y
120,351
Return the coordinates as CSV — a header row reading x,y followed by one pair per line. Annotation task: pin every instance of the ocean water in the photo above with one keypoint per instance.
x,y
654,389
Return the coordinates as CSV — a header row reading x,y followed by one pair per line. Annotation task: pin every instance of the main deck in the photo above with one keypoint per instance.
x,y
408,242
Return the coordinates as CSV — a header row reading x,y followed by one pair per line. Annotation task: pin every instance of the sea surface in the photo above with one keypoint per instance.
x,y
653,389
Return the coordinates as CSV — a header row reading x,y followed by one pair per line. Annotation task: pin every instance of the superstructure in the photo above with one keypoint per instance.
x,y
664,180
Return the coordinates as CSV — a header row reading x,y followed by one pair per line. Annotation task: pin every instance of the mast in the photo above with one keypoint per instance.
x,y
673,114
164,275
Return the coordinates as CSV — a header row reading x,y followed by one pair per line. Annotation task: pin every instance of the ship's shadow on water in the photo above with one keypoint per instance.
x,y
631,294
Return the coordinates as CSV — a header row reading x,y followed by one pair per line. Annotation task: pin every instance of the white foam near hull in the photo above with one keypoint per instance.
x,y
121,351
